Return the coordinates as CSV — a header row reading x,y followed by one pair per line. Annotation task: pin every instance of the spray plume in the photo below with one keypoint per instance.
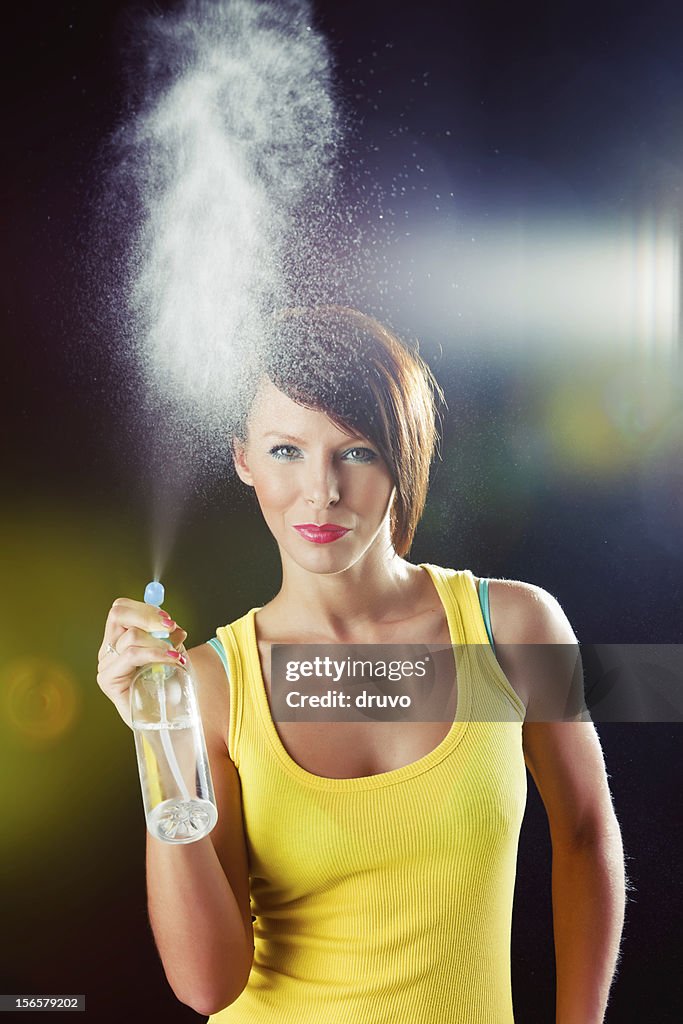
x,y
223,167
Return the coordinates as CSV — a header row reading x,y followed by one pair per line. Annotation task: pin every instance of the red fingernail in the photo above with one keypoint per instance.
x,y
173,654
183,660
165,615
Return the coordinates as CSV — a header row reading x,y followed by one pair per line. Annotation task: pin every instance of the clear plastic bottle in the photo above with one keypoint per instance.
x,y
175,777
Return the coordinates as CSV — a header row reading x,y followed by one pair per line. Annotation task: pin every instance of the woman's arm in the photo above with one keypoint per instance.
x,y
588,884
566,762
198,894
588,876
197,924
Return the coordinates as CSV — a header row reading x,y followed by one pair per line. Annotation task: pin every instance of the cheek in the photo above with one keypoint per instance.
x,y
371,490
272,490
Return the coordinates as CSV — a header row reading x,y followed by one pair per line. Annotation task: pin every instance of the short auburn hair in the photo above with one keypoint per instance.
x,y
355,370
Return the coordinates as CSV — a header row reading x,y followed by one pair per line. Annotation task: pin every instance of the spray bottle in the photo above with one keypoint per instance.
x,y
175,777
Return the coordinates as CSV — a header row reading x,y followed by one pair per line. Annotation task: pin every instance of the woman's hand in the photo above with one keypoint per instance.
x,y
127,630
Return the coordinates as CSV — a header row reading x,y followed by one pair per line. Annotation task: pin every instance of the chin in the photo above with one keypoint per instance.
x,y
324,562
327,565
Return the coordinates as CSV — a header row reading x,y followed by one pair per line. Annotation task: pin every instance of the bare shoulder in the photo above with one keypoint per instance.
x,y
213,691
523,613
564,756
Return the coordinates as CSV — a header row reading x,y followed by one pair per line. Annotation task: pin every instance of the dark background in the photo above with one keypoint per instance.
x,y
575,107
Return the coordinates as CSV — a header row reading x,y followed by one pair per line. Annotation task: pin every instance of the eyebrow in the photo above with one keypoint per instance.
x,y
299,440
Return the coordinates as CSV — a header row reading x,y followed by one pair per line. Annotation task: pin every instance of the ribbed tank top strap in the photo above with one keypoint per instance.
x,y
489,683
460,590
235,640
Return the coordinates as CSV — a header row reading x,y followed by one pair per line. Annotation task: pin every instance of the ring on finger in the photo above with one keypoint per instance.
x,y
112,650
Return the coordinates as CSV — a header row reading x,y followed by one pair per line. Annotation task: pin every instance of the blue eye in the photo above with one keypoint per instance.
x,y
289,452
361,455
285,452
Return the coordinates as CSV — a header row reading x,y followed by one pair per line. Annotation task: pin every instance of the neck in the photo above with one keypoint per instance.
x,y
337,605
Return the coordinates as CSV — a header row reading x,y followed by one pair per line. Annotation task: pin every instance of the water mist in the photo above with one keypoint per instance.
x,y
223,165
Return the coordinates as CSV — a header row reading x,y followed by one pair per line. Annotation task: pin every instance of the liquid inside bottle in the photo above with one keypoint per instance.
x,y
174,770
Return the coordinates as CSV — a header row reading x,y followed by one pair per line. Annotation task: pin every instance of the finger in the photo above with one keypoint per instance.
x,y
112,634
126,613
178,636
130,638
115,674
134,637
136,657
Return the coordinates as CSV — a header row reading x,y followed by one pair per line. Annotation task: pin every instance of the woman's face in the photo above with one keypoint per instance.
x,y
307,473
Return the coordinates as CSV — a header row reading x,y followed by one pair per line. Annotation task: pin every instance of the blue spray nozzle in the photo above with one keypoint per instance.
x,y
154,593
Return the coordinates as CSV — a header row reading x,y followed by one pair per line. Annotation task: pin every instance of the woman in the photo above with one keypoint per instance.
x,y
378,860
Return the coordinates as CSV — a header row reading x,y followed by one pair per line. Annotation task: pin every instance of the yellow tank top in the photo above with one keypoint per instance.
x,y
384,899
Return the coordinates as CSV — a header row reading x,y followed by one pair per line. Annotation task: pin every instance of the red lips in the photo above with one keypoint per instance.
x,y
321,534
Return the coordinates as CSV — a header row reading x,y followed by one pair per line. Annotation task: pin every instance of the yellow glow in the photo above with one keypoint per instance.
x,y
40,699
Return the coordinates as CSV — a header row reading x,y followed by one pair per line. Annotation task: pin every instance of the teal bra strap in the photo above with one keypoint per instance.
x,y
218,646
484,602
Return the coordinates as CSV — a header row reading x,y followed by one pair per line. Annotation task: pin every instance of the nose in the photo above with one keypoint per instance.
x,y
322,485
